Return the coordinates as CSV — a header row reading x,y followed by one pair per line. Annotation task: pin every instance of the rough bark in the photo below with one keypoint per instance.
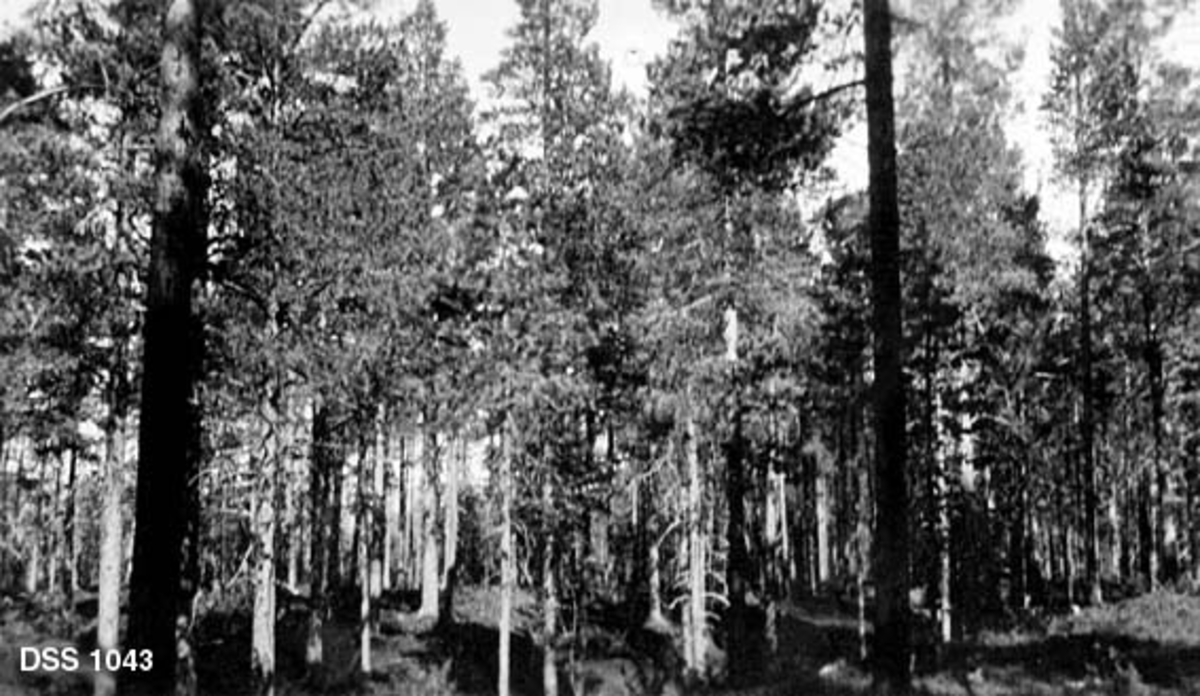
x,y
262,641
167,433
890,660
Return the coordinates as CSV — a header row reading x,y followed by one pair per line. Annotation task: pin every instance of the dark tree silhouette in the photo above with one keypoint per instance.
x,y
166,443
890,660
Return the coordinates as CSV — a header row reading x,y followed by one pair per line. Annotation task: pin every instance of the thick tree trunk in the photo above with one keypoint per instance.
x,y
890,660
166,439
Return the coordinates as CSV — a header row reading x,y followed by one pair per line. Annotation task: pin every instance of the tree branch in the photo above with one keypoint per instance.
x,y
823,95
30,100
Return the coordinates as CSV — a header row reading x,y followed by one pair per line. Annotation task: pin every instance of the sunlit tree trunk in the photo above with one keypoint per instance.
x,y
696,629
430,548
262,650
362,556
108,619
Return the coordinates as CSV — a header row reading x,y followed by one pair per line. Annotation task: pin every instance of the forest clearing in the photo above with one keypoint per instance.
x,y
323,370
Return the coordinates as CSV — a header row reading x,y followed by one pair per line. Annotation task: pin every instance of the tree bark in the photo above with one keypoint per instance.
x,y
890,661
508,569
362,558
696,630
108,620
549,593
325,459
262,649
166,438
430,548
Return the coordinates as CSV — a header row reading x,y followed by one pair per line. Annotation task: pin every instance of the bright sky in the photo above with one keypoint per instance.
x,y
630,33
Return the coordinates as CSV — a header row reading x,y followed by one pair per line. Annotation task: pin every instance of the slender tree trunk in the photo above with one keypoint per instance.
x,y
696,635
362,558
333,554
508,569
108,618
325,459
429,512
391,510
375,551
166,439
822,504
1161,552
262,649
454,466
890,661
36,538
71,531
549,590
945,608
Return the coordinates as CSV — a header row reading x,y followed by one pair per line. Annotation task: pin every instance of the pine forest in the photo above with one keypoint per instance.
x,y
330,367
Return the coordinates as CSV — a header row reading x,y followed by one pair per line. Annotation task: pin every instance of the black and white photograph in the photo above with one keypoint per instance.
x,y
599,347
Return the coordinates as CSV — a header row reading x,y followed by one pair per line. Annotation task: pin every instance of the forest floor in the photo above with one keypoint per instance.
x,y
1143,646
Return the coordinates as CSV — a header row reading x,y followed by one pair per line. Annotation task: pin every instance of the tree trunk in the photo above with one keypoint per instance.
x,y
454,466
430,548
108,619
549,590
696,635
71,532
262,649
325,459
391,509
362,558
890,662
945,608
166,452
333,538
821,502
738,564
1161,551
507,558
